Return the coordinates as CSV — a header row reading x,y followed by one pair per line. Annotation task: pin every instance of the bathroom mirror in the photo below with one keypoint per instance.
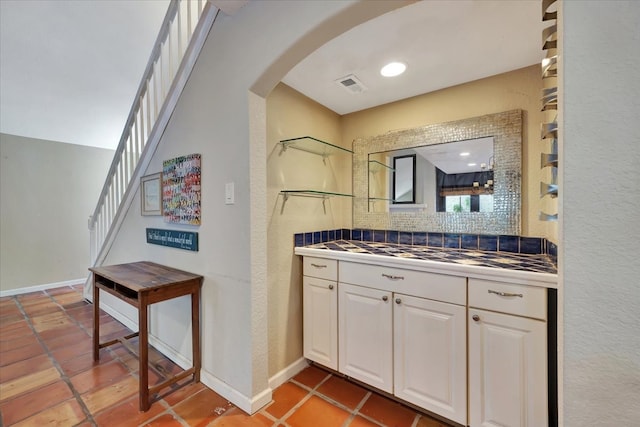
x,y
497,179
451,177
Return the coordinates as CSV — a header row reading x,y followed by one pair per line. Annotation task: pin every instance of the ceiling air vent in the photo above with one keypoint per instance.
x,y
351,84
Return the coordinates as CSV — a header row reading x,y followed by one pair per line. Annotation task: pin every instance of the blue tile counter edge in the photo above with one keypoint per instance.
x,y
481,242
485,254
514,268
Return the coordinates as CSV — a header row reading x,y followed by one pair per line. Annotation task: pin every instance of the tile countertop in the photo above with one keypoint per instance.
x,y
535,270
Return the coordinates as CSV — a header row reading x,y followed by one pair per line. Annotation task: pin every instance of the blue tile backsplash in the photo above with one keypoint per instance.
x,y
482,242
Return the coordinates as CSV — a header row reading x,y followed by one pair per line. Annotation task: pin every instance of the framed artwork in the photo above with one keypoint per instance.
x,y
151,194
181,190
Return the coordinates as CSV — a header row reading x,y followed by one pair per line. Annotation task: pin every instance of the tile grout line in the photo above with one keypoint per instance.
x,y
55,363
356,411
302,401
352,412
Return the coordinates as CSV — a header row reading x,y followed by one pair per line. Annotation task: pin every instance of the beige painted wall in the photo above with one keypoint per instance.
x,y
47,191
290,115
517,89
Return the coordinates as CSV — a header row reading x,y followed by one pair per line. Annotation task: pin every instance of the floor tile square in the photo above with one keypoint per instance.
x,y
127,414
343,391
35,401
362,422
84,362
236,418
12,356
25,367
316,409
387,411
97,400
68,413
311,376
99,377
202,408
285,397
166,420
27,383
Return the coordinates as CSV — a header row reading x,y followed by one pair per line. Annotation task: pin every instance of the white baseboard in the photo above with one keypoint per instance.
x,y
248,405
37,288
252,405
287,373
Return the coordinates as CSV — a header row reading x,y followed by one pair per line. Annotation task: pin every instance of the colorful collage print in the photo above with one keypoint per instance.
x,y
181,190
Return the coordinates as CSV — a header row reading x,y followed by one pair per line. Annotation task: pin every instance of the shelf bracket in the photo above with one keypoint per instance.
x,y
285,197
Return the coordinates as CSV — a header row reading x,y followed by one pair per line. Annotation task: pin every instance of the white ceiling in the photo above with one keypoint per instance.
x,y
69,69
443,42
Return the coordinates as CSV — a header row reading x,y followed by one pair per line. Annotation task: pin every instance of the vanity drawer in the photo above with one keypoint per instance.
x,y
321,268
439,287
528,301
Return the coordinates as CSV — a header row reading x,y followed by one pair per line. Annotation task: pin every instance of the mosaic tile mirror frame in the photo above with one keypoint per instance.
x,y
505,128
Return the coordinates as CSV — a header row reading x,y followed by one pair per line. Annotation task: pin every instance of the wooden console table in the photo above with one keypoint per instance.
x,y
142,284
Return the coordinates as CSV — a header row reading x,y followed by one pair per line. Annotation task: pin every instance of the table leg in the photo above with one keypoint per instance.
x,y
144,354
96,321
195,334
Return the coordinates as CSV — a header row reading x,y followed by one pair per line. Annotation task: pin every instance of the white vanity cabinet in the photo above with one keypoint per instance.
x,y
469,349
320,314
365,340
507,355
404,332
430,358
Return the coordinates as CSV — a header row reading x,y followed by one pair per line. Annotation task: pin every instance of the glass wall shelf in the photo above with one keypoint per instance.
x,y
312,145
324,195
375,166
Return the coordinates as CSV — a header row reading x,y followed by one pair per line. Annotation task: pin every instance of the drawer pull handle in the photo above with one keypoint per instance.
x,y
389,276
504,294
398,301
330,287
319,265
385,298
476,318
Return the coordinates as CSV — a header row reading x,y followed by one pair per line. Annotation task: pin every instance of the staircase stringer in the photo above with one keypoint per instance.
x,y
182,74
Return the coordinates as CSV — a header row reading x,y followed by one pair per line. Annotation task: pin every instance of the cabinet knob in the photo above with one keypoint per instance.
x,y
385,298
331,287
398,300
476,317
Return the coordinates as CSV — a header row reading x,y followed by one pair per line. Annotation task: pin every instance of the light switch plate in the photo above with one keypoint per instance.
x,y
229,193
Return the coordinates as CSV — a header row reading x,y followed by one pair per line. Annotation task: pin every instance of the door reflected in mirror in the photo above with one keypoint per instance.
x,y
450,177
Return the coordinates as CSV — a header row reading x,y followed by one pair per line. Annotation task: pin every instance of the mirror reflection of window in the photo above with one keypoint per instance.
x,y
404,179
468,203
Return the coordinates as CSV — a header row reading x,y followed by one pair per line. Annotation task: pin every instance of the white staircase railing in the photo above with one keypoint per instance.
x,y
181,37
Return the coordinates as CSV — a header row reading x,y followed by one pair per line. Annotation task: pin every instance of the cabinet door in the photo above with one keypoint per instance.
x,y
320,321
507,370
365,335
430,355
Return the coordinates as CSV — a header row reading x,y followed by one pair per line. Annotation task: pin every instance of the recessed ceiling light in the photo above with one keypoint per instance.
x,y
471,164
464,154
393,69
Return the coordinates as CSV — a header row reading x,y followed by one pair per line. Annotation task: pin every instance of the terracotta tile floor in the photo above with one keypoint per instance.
x,y
48,377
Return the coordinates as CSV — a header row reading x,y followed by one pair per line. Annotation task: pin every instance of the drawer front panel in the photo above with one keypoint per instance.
x,y
508,298
421,284
321,268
